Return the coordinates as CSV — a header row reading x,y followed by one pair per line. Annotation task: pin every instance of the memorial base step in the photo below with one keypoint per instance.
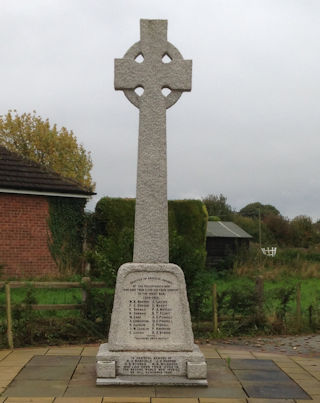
x,y
150,367
151,380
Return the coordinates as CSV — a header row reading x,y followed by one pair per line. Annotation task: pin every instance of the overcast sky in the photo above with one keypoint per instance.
x,y
249,129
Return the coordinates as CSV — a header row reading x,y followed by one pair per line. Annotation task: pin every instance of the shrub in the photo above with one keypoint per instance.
x,y
66,224
112,244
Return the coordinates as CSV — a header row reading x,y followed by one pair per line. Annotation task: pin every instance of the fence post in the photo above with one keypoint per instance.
x,y
9,316
215,308
299,306
86,283
260,297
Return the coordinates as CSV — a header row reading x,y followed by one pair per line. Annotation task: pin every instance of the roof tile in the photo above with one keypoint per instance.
x,y
19,173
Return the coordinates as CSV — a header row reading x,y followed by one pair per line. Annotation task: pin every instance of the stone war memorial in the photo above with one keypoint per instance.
x,y
150,339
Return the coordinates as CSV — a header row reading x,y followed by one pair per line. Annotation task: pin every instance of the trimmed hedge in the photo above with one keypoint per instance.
x,y
114,229
187,236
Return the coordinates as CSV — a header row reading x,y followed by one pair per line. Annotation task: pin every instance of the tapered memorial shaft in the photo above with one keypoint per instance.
x,y
151,218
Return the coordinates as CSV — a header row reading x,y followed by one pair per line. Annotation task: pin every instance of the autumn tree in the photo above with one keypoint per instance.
x,y
57,149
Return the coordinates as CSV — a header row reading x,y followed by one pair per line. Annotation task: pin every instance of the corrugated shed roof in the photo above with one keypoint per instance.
x,y
19,173
225,229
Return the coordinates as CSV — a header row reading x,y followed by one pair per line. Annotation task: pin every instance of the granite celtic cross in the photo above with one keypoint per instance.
x,y
151,243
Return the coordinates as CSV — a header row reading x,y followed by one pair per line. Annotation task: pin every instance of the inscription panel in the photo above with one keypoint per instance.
x,y
151,310
153,307
156,365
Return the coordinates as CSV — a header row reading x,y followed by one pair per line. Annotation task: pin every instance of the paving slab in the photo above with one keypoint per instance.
x,y
312,391
264,365
314,400
9,372
175,400
84,375
299,376
15,361
255,400
306,383
246,355
4,384
126,400
30,350
4,353
222,375
217,400
245,375
286,364
274,391
110,391
296,371
87,360
78,400
269,356
65,351
235,353
53,361
33,388
57,373
209,351
90,351
29,400
216,363
216,391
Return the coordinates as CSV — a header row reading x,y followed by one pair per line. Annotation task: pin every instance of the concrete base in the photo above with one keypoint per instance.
x,y
151,367
151,380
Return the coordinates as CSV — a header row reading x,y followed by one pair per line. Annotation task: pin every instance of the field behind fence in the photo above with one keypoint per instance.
x,y
28,314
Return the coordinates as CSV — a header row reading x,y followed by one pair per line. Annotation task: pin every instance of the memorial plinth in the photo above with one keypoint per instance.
x,y
150,338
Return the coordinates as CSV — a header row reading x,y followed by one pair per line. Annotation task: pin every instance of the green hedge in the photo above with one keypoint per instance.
x,y
112,243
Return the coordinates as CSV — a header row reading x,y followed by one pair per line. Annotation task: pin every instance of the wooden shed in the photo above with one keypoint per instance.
x,y
224,238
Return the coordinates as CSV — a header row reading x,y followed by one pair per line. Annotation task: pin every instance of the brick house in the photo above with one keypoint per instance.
x,y
25,191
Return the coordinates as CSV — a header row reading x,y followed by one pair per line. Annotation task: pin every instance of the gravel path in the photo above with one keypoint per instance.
x,y
295,345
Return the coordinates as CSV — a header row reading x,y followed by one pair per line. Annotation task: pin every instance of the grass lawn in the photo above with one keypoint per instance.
x,y
47,296
310,289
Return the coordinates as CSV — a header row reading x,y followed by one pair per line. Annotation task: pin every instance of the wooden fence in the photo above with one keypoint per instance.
x,y
85,283
259,290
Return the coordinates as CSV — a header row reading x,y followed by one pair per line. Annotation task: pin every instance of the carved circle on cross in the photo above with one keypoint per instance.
x,y
173,53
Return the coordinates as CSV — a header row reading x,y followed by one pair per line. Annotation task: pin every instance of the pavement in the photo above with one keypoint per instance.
x,y
308,344
235,375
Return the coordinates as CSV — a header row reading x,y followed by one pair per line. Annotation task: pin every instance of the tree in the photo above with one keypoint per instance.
x,y
252,210
303,233
251,226
33,138
279,227
217,206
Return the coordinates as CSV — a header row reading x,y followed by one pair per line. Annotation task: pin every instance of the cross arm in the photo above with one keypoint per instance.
x,y
176,75
128,74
